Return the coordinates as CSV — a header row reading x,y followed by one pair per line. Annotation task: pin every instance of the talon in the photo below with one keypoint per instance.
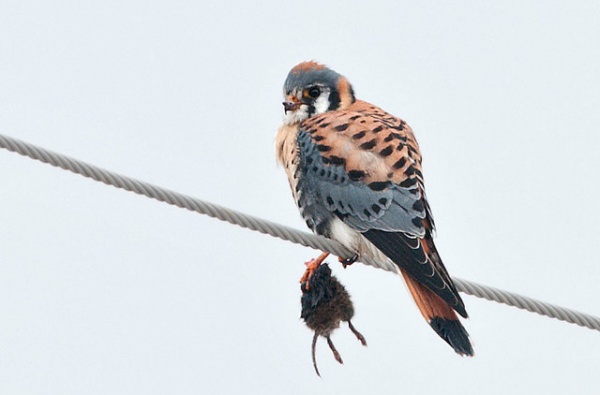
x,y
348,261
311,266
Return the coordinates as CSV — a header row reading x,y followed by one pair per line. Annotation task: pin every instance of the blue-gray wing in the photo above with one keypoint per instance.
x,y
327,190
364,168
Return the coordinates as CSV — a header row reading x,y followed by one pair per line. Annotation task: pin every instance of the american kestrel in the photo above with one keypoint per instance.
x,y
325,303
355,174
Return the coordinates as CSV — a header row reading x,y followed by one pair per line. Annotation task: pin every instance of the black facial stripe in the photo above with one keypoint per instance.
x,y
352,94
334,100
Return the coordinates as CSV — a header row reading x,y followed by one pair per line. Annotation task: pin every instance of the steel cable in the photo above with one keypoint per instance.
x,y
274,229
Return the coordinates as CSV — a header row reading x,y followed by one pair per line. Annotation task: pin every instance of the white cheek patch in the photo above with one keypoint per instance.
x,y
322,103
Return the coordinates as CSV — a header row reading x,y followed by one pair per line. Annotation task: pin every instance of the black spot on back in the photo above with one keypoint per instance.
x,y
356,175
369,144
336,160
418,205
400,163
387,151
409,182
359,135
418,222
378,185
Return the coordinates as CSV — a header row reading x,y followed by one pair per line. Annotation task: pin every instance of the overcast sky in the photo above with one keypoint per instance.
x,y
103,291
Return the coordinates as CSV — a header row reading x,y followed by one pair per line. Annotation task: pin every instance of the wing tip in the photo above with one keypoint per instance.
x,y
452,331
459,307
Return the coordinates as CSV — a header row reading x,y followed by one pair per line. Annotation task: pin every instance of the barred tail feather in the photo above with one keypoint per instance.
x,y
440,316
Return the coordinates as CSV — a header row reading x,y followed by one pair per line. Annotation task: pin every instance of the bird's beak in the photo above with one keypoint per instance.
x,y
290,105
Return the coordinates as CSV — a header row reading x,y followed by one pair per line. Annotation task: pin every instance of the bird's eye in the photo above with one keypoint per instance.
x,y
313,92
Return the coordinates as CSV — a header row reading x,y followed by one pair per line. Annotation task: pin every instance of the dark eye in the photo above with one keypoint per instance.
x,y
314,92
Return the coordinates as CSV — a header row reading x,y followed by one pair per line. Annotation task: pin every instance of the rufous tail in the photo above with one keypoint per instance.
x,y
440,316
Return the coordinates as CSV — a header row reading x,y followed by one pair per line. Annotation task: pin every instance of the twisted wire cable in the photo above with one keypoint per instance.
x,y
276,230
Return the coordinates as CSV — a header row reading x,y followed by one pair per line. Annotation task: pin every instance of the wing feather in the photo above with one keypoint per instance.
x,y
363,166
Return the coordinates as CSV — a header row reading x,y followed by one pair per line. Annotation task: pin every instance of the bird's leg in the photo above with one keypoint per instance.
x,y
336,354
311,266
348,261
358,335
314,346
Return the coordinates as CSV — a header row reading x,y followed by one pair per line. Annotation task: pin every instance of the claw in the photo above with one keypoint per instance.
x,y
348,261
311,266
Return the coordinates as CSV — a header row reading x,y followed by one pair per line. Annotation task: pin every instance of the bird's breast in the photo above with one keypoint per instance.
x,y
286,151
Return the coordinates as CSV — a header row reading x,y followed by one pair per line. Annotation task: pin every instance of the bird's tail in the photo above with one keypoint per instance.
x,y
440,316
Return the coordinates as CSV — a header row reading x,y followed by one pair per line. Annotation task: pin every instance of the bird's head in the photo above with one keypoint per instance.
x,y
311,89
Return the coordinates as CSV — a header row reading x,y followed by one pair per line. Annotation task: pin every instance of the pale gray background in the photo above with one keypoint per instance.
x,y
103,291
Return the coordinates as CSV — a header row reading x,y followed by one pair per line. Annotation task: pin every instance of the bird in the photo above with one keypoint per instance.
x,y
355,173
325,304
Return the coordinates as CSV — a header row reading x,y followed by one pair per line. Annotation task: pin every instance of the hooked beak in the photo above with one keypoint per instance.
x,y
290,105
